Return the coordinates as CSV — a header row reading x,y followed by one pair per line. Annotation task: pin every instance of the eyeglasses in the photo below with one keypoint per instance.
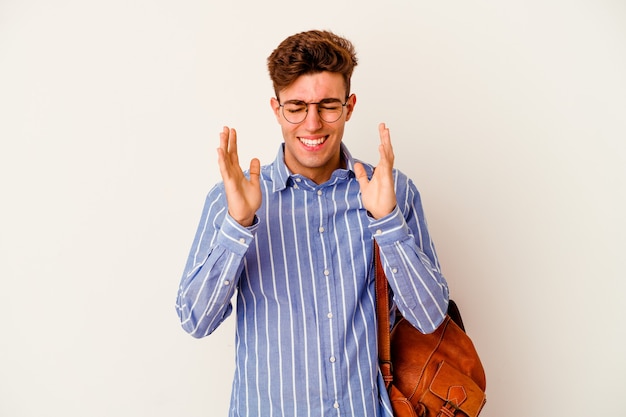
x,y
329,109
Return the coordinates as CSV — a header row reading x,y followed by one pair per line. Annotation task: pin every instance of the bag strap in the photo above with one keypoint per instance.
x,y
382,315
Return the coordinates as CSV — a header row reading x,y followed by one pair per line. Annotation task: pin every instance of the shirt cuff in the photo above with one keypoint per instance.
x,y
390,229
236,237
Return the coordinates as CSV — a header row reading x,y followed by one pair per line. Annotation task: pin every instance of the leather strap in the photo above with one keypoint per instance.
x,y
382,315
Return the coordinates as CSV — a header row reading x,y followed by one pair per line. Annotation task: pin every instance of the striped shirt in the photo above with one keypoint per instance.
x,y
306,320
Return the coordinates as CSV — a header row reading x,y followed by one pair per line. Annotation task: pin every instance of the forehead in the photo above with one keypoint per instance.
x,y
314,87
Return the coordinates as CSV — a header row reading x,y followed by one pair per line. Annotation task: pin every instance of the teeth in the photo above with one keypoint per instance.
x,y
312,142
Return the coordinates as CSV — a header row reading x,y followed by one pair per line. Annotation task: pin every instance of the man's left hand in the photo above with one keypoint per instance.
x,y
378,194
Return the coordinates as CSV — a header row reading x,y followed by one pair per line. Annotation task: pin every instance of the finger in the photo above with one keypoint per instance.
x,y
255,171
385,137
224,139
360,174
385,149
232,140
223,145
232,146
224,160
382,129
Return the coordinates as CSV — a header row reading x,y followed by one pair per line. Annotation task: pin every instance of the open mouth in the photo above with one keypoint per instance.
x,y
312,143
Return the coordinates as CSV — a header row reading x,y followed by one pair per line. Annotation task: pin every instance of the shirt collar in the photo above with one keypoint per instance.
x,y
281,174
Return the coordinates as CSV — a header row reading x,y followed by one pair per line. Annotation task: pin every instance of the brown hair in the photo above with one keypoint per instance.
x,y
309,53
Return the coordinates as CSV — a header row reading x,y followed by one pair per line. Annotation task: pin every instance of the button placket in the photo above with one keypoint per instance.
x,y
320,228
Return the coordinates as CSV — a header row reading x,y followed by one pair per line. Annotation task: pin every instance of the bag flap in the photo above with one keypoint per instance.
x,y
449,384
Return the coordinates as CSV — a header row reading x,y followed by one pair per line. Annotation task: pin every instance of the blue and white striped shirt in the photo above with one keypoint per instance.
x,y
306,342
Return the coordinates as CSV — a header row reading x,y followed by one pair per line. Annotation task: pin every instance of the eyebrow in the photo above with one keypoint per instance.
x,y
324,100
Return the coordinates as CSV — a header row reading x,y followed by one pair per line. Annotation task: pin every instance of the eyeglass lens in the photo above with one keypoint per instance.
x,y
330,110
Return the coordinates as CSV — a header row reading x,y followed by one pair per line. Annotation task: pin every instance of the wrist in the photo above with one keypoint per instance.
x,y
243,221
247,222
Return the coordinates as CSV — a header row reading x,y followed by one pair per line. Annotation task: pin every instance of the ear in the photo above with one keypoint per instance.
x,y
351,102
276,108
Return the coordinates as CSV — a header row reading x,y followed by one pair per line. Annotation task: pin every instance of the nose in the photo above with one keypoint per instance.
x,y
312,121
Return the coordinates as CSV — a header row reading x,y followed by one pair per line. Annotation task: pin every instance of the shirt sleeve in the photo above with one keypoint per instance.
x,y
420,291
213,267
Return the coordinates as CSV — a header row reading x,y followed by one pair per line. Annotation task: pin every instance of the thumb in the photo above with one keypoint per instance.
x,y
255,171
361,175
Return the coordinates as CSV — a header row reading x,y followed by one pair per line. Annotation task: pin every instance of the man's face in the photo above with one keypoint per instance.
x,y
312,147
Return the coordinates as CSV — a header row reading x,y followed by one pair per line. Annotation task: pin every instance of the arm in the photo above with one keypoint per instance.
x,y
226,229
399,227
410,261
213,268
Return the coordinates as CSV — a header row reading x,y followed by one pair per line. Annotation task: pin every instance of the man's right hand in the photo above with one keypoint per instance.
x,y
243,195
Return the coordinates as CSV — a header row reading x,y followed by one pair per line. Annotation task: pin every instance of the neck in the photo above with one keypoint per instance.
x,y
320,175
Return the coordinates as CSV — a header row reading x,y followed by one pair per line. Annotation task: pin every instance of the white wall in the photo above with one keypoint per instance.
x,y
510,116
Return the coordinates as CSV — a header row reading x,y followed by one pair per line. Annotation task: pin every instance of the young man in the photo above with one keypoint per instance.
x,y
294,239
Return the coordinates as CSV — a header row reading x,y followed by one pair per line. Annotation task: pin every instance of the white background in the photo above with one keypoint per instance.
x,y
509,115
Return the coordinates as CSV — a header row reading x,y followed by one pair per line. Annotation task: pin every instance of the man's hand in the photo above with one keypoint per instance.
x,y
243,195
378,194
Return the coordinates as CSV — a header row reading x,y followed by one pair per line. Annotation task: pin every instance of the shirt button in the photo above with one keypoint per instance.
x,y
394,270
296,186
321,229
332,359
379,232
319,192
326,272
329,315
226,282
336,404
242,240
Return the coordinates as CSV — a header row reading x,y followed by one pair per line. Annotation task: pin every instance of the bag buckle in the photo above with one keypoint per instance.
x,y
456,397
386,369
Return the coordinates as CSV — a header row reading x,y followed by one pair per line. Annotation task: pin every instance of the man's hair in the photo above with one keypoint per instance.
x,y
309,53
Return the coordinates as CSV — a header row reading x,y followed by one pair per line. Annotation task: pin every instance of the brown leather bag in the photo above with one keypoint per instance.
x,y
435,375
